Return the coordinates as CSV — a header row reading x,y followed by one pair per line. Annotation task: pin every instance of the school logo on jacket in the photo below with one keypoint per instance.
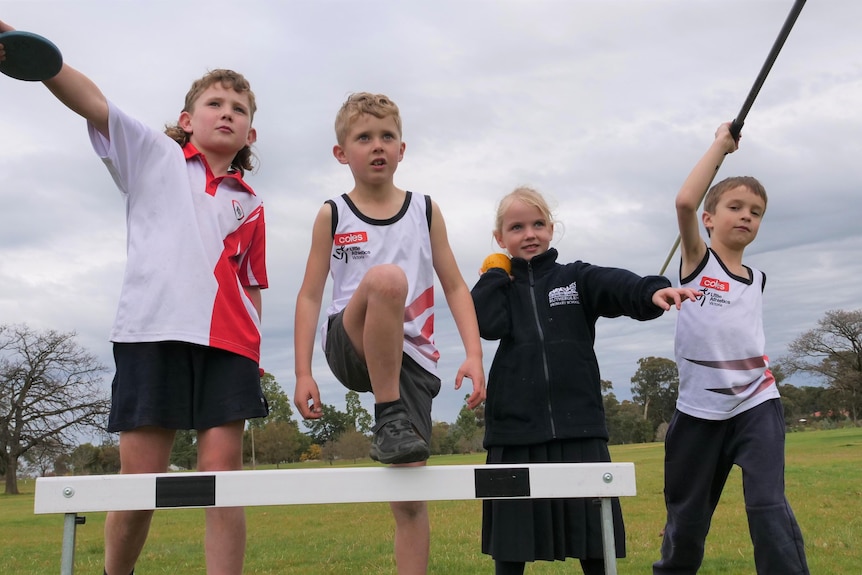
x,y
567,295
347,246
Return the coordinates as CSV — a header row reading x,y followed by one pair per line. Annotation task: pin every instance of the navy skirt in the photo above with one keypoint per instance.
x,y
548,529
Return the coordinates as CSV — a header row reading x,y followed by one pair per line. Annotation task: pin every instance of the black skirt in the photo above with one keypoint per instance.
x,y
548,529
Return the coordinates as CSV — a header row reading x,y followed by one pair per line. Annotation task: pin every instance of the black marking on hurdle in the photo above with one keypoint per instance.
x,y
196,491
505,482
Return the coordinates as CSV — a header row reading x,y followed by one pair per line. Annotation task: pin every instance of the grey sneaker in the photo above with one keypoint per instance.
x,y
395,440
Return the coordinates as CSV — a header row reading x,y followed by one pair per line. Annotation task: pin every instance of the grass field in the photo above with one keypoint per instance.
x,y
824,485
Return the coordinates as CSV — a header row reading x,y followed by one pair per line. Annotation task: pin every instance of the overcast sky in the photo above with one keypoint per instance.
x,y
602,105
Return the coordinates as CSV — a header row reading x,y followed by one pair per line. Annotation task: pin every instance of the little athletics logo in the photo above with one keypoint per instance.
x,y
567,295
347,246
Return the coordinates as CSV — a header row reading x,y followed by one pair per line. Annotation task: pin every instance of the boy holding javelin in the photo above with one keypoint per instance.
x,y
382,246
187,331
728,410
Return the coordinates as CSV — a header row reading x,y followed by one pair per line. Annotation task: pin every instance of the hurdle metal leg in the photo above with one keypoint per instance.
x,y
67,560
608,542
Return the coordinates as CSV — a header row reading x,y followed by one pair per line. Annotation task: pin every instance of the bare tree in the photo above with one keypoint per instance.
x,y
51,391
42,458
832,351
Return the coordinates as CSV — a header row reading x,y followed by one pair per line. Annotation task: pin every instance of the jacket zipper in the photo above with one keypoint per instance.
x,y
544,352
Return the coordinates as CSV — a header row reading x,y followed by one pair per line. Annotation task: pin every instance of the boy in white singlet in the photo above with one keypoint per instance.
x,y
728,411
382,246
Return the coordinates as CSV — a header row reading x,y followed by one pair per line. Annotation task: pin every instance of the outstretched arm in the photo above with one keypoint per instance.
x,y
691,194
461,304
76,91
306,395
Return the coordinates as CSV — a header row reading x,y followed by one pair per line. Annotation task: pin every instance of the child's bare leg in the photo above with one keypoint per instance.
x,y
142,450
412,535
220,449
374,322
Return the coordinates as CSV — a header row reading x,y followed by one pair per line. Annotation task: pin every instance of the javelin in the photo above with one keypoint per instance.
x,y
736,125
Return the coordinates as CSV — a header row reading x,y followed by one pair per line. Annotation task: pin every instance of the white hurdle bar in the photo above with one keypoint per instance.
x,y
151,491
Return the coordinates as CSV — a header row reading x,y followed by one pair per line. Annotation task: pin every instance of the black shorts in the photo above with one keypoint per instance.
x,y
179,385
418,387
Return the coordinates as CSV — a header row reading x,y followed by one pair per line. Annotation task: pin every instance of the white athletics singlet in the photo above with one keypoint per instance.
x,y
360,242
720,346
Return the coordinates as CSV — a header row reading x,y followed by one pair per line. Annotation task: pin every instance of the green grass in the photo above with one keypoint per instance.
x,y
824,485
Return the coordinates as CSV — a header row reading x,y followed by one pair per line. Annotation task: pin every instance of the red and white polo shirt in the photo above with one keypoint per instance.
x,y
194,241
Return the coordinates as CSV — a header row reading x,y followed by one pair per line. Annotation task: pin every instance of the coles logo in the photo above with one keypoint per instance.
x,y
350,238
715,284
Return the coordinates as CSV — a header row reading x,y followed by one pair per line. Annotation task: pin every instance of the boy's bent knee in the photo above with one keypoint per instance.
x,y
387,278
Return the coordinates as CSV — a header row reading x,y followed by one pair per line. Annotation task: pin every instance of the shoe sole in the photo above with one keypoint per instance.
x,y
420,453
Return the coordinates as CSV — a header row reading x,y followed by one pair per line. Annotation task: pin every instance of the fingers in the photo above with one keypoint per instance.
x,y
682,294
674,296
723,132
687,294
479,393
312,411
660,298
459,378
306,398
476,398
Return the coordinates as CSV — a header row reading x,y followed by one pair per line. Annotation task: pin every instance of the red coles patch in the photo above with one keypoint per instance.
x,y
350,238
715,284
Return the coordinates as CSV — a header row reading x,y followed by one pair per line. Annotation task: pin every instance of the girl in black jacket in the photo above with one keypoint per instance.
x,y
544,401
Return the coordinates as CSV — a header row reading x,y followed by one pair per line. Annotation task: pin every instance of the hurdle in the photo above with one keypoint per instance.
x,y
155,491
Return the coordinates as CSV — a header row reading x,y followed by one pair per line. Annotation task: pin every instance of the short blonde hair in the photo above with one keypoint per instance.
x,y
715,192
378,105
524,194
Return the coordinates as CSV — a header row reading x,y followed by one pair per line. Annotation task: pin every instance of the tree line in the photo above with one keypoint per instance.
x,y
52,392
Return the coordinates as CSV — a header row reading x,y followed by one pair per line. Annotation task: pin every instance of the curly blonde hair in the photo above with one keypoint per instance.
x,y
229,79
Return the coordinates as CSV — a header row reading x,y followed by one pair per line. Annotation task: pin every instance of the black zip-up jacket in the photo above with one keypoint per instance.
x,y
544,381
